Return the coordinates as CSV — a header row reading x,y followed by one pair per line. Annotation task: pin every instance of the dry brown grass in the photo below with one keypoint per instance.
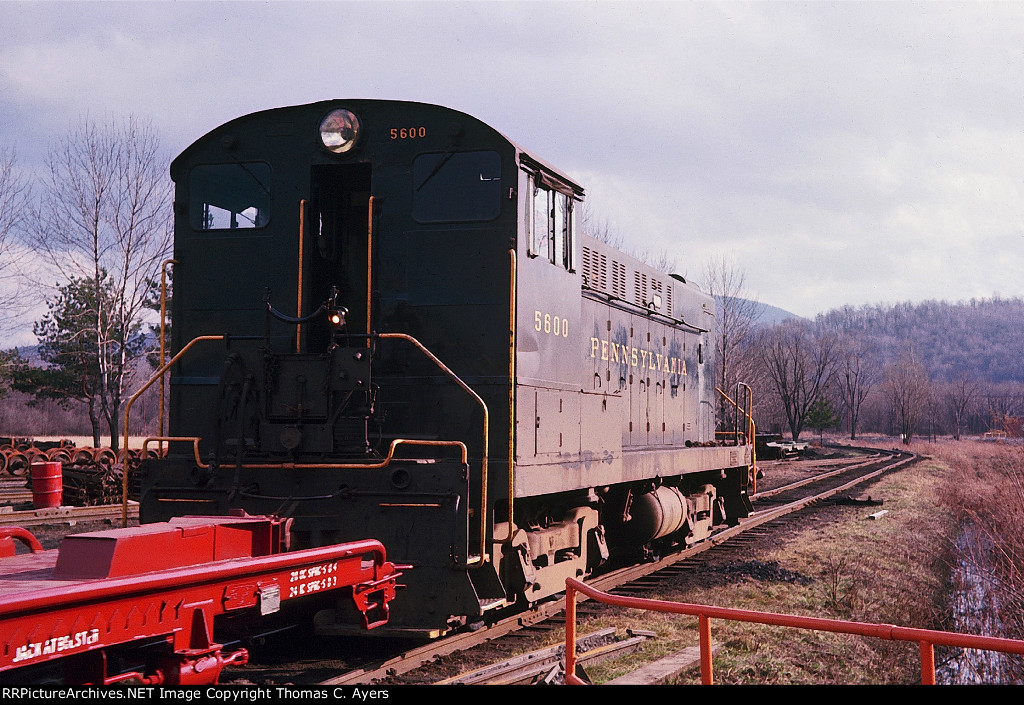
x,y
987,496
844,566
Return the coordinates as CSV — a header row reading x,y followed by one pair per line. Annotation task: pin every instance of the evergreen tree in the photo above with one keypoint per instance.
x,y
821,415
74,355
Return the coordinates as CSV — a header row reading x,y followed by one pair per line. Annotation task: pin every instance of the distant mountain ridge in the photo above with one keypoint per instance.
x,y
770,315
766,314
980,339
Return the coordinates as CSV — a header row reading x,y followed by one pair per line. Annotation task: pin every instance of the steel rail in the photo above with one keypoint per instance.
x,y
806,481
769,514
56,515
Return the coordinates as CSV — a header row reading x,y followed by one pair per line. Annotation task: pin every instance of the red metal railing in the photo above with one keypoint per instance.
x,y
926,638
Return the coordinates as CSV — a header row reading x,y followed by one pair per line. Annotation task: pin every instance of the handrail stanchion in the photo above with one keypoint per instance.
x,y
570,635
927,663
707,675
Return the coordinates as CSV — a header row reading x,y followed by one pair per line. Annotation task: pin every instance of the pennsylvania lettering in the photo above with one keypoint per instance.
x,y
636,357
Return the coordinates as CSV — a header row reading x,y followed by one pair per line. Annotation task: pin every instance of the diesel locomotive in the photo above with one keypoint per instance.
x,y
388,324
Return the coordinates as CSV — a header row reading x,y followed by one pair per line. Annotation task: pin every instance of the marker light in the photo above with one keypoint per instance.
x,y
336,316
339,131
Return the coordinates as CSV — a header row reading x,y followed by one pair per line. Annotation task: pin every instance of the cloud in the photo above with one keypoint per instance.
x,y
845,153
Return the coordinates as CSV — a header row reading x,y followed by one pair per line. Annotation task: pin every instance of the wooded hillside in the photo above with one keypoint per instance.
x,y
978,339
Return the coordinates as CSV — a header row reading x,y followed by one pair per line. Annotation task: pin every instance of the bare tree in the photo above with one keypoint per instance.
x,y
960,395
599,228
801,364
856,376
908,389
104,217
1005,402
14,195
736,316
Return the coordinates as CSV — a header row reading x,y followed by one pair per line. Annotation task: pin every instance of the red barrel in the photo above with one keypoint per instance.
x,y
47,485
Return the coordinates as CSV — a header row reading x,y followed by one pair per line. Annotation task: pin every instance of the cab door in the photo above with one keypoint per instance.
x,y
338,247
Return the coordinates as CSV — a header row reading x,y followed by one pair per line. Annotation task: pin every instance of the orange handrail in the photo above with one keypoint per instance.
x,y
751,430
163,334
128,408
926,638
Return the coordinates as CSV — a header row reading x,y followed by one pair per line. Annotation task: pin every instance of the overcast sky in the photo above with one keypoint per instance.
x,y
844,153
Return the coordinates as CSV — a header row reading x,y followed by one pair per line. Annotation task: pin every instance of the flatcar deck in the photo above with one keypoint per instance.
x,y
73,613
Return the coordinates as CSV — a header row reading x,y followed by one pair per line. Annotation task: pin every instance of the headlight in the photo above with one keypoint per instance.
x,y
339,131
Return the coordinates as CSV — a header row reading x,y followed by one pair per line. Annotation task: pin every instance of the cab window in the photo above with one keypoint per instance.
x,y
552,225
229,196
456,187
543,223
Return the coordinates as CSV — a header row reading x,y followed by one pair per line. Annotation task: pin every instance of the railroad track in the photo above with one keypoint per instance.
x,y
825,480
771,504
65,515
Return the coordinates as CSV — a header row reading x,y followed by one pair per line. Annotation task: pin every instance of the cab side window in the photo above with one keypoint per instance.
x,y
543,223
552,225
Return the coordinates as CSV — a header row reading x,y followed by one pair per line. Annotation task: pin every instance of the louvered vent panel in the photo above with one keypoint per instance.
x,y
640,288
657,295
618,279
595,269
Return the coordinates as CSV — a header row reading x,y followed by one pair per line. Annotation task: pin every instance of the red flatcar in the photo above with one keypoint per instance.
x,y
153,604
